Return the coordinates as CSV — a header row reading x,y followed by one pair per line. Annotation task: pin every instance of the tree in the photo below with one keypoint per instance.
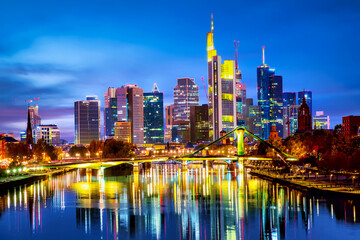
x,y
117,149
18,151
78,150
95,147
42,149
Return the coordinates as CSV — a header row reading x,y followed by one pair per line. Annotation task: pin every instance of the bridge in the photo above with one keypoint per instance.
x,y
187,158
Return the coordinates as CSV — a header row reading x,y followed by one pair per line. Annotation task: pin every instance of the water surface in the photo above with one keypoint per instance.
x,y
168,202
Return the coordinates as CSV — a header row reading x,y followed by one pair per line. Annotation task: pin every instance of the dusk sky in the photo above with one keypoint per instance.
x,y
61,51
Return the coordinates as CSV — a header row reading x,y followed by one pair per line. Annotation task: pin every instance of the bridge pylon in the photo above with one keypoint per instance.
x,y
240,141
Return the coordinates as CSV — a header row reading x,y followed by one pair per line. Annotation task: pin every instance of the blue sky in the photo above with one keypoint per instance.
x,y
62,51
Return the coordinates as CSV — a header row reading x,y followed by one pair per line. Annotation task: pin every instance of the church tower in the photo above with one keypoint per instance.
x,y
29,137
304,117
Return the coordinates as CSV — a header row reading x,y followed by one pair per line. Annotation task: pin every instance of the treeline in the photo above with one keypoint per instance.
x,y
109,148
39,151
323,148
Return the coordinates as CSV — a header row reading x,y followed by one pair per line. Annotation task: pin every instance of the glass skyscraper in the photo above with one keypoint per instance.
x,y
269,93
186,94
290,112
110,117
87,120
153,116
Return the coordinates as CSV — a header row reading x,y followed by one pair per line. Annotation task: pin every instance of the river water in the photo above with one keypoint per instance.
x,y
169,202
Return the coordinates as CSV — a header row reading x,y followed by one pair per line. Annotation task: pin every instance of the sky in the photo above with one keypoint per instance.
x,y
62,51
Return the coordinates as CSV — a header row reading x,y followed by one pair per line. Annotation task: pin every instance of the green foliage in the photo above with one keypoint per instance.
x,y
117,149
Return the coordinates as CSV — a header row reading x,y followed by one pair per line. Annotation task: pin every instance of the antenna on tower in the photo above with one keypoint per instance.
x,y
236,45
263,52
212,23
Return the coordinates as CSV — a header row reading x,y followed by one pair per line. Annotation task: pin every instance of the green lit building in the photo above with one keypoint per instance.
x,y
153,116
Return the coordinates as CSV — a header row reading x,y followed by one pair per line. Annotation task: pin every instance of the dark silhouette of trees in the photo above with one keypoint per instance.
x,y
117,149
81,150
18,151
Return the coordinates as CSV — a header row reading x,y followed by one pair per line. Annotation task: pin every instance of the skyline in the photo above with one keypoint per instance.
x,y
43,56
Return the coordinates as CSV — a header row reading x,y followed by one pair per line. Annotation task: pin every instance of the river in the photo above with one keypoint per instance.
x,y
170,202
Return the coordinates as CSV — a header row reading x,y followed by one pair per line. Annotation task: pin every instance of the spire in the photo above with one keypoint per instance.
x,y
155,88
212,23
263,52
29,137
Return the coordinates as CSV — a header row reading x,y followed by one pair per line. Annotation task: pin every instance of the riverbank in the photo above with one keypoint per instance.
x,y
312,186
19,180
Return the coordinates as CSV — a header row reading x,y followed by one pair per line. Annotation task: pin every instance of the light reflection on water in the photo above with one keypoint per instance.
x,y
168,201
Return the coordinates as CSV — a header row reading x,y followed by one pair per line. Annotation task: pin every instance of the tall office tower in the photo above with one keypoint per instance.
x,y
154,116
35,120
130,109
241,113
169,118
308,99
222,95
29,135
199,123
269,95
186,94
253,121
122,131
320,121
110,117
49,133
290,110
87,120
110,112
304,118
351,125
180,131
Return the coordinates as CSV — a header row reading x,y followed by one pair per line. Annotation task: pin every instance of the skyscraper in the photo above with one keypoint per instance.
x,y
130,109
35,120
110,112
241,109
153,116
169,118
186,94
290,111
122,131
269,93
110,117
87,120
222,95
199,123
308,99
253,121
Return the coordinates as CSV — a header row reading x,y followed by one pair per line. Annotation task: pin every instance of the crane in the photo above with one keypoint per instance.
x,y
202,78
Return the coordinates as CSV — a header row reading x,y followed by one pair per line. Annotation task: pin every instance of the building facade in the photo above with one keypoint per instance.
x,y
253,122
122,131
130,109
304,118
169,118
49,133
308,99
320,121
154,116
186,94
199,123
351,125
110,112
87,120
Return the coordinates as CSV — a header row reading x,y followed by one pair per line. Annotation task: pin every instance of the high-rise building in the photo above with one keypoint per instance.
x,y
154,116
351,125
269,93
180,131
241,113
222,95
186,94
122,131
110,117
130,109
253,121
289,104
49,133
169,118
320,121
199,123
308,99
110,112
35,120
87,120
304,118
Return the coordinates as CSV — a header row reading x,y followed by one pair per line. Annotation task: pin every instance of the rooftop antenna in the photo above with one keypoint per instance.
x,y
263,52
236,45
212,23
